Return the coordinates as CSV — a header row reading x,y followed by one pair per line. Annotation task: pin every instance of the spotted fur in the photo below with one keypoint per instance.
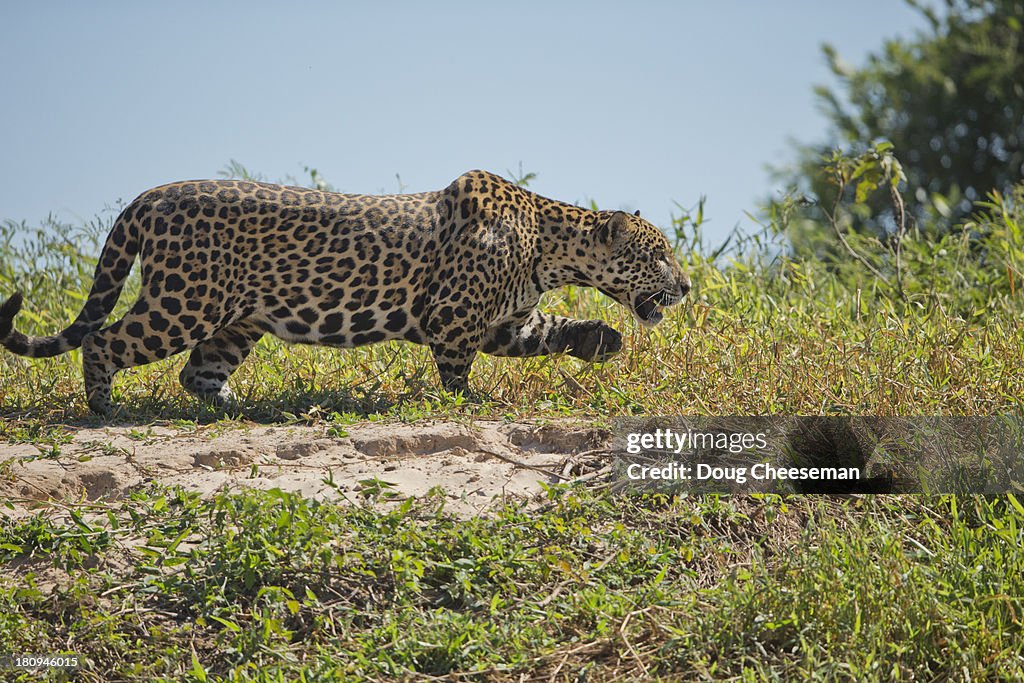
x,y
225,262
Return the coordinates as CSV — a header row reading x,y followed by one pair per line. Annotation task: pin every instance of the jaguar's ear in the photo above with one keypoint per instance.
x,y
612,228
637,213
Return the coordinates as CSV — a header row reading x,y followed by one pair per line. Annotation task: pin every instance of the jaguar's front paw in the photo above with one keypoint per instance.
x,y
595,341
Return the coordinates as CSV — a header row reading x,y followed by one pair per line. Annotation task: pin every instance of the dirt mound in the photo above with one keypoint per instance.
x,y
477,464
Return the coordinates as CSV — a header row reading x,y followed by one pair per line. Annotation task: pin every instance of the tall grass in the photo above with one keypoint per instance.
x,y
770,328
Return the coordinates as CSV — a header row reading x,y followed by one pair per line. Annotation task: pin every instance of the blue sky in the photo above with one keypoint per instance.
x,y
632,105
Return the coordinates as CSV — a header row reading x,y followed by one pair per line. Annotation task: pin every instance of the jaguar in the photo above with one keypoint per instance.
x,y
225,262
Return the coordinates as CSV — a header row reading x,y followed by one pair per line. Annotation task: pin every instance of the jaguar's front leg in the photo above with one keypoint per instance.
x,y
541,333
453,366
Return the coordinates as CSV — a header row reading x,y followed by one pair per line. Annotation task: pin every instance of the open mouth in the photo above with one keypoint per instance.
x,y
647,307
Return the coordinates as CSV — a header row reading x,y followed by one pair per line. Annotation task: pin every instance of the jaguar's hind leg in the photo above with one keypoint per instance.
x,y
213,360
143,336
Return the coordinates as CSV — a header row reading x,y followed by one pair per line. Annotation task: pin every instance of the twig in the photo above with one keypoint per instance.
x,y
526,465
622,633
592,475
554,674
901,222
839,233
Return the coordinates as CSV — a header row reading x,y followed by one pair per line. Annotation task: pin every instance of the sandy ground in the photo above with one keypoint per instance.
x,y
477,464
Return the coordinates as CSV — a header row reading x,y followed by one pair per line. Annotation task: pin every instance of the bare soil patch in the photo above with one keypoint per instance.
x,y
477,464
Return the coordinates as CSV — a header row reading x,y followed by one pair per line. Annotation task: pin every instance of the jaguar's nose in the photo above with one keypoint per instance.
x,y
684,286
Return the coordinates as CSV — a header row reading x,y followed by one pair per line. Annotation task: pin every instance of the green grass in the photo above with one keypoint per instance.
x,y
269,587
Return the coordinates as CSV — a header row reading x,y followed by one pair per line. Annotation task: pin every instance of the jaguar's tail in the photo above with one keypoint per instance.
x,y
119,252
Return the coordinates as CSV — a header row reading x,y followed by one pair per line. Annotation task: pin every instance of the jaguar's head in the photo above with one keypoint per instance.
x,y
638,267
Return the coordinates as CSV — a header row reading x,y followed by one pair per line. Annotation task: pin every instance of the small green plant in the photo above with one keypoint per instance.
x,y
266,585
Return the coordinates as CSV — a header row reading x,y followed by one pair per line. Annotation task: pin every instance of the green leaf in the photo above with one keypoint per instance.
x,y
1015,503
197,669
230,625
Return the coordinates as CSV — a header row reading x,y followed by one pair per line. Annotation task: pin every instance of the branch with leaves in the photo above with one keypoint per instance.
x,y
866,173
